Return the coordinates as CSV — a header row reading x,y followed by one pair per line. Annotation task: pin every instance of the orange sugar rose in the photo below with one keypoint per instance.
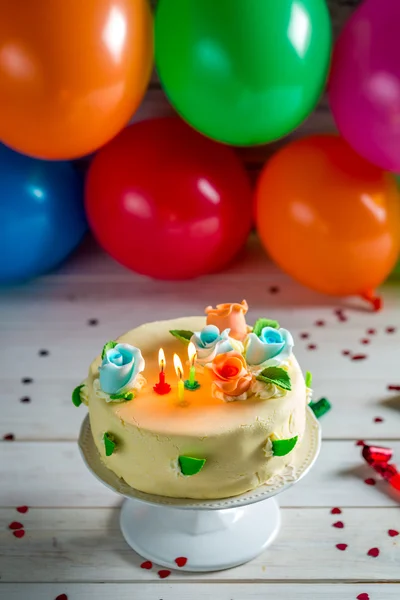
x,y
230,374
230,315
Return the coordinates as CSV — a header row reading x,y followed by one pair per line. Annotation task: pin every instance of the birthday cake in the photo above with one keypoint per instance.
x,y
198,407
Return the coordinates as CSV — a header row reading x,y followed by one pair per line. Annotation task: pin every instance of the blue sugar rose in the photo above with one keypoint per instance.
x,y
273,345
120,367
209,342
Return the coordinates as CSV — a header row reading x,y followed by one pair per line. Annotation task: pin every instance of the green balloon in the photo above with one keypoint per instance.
x,y
243,72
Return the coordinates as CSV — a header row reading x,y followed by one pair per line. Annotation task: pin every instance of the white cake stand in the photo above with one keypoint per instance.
x,y
212,534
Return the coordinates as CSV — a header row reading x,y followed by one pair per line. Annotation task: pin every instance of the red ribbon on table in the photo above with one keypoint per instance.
x,y
378,458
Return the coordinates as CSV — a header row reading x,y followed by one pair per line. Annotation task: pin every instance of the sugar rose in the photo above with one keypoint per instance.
x,y
229,316
229,374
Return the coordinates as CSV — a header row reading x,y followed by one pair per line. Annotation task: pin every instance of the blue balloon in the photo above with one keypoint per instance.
x,y
42,217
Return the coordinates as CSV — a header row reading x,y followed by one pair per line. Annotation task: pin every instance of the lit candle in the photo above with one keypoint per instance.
x,y
161,387
191,383
179,372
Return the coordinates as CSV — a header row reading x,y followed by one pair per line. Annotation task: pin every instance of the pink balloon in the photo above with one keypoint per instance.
x,y
364,85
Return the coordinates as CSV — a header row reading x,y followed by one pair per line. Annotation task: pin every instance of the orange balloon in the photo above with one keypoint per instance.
x,y
72,72
328,217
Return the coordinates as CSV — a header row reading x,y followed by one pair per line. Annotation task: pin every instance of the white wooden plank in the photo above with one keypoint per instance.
x,y
90,543
53,474
201,591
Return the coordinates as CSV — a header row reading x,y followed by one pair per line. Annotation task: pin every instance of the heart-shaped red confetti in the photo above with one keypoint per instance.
x,y
164,573
359,357
360,443
363,596
365,341
15,525
390,329
22,509
304,336
378,420
346,352
62,597
19,533
181,561
320,323
147,564
374,552
338,525
341,547
371,331
393,388
9,437
393,532
311,347
370,481
336,511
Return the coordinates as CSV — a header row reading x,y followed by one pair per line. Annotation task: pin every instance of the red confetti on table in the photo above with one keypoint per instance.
x,y
9,437
393,388
360,443
181,561
359,357
312,347
370,481
22,509
336,511
390,329
341,547
371,331
304,336
340,315
147,564
378,420
15,525
320,323
164,573
393,532
338,524
19,533
374,552
62,597
346,352
363,596
365,341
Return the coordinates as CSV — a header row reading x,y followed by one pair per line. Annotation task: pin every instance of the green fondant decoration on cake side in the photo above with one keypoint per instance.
x,y
191,466
76,395
122,397
182,334
261,323
277,376
321,407
109,443
283,447
308,379
109,346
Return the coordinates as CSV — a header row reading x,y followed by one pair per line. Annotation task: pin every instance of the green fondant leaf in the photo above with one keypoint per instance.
x,y
108,346
109,443
182,334
261,323
321,407
308,379
283,447
76,395
277,376
191,466
125,396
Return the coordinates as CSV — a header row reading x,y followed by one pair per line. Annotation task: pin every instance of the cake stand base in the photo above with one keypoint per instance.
x,y
211,540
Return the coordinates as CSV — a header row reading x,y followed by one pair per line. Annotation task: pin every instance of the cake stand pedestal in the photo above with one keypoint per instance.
x,y
212,534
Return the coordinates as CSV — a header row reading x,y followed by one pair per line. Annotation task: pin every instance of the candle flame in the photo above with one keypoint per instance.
x,y
192,353
161,359
178,366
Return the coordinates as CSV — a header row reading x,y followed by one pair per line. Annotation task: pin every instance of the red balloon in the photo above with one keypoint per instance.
x,y
168,203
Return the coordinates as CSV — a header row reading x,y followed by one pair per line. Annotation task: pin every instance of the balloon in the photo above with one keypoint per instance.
x,y
72,72
42,217
243,72
364,87
328,217
168,203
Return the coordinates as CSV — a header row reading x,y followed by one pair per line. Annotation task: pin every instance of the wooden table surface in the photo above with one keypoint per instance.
x,y
72,543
